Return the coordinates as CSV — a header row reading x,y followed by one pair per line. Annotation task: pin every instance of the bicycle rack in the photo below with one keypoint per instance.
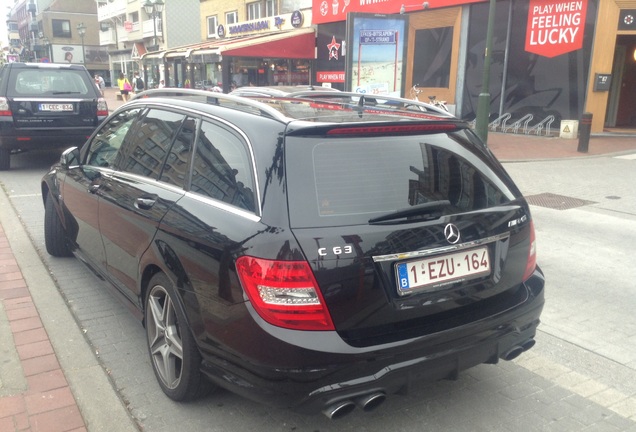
x,y
517,124
500,121
545,123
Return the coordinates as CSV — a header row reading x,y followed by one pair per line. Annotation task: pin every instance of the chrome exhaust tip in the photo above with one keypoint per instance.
x,y
370,401
512,353
528,344
339,409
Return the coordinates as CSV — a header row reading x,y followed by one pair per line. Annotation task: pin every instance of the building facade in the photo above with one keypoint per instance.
x,y
551,60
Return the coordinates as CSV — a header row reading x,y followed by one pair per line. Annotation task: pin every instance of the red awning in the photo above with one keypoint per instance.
x,y
292,44
138,50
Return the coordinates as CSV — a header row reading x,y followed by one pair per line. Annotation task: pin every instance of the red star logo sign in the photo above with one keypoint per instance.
x,y
333,48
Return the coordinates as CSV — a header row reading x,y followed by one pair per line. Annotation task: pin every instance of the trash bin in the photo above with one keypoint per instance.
x,y
569,129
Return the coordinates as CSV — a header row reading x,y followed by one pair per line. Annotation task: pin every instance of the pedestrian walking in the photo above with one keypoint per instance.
x,y
139,83
101,84
124,87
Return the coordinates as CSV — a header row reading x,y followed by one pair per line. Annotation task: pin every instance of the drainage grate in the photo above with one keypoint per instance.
x,y
557,202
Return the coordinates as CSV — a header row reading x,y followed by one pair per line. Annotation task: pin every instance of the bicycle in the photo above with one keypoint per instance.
x,y
438,103
415,91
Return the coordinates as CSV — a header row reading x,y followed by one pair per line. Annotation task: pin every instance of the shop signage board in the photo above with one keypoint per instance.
x,y
555,27
326,11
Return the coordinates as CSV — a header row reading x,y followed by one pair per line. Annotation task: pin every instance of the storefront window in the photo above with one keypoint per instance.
x,y
528,82
432,59
270,72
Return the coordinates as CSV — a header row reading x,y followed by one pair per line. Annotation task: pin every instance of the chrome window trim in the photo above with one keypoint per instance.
x,y
144,179
221,205
434,251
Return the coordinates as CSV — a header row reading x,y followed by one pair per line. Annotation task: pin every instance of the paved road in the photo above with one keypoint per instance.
x,y
579,376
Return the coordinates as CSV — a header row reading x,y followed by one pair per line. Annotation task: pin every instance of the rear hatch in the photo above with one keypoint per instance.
x,y
408,232
52,98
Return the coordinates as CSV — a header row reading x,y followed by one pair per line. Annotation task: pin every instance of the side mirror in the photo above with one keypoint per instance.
x,y
70,157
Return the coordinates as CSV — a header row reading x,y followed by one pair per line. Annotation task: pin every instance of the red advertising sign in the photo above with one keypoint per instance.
x,y
555,27
330,76
326,11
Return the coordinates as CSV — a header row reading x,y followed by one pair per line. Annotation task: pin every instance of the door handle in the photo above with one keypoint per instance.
x,y
145,203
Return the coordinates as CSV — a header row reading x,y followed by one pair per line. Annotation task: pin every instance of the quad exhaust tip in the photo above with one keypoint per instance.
x,y
516,351
366,403
339,410
371,401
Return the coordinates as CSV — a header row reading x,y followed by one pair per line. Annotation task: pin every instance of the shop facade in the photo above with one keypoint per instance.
x,y
551,60
271,51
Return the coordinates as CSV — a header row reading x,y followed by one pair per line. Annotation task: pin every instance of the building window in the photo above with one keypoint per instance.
x,y
271,8
61,28
253,11
261,9
231,17
213,23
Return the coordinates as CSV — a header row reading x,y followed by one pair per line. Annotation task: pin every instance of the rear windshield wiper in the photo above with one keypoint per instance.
x,y
416,210
65,92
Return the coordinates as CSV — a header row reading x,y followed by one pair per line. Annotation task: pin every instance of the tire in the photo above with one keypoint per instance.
x,y
5,159
55,239
174,355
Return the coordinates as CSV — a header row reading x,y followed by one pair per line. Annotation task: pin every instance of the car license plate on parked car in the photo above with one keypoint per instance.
x,y
435,271
56,107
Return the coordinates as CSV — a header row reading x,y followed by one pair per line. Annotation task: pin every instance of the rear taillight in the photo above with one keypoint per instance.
x,y
284,293
532,254
4,107
102,107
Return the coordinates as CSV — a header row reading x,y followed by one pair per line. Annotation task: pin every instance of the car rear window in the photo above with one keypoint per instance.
x,y
49,82
340,181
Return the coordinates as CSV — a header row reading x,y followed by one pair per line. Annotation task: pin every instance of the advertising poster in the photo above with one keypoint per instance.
x,y
376,48
331,50
555,27
67,53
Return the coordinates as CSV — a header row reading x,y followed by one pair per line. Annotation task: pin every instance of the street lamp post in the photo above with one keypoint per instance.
x,y
483,103
154,8
81,30
47,44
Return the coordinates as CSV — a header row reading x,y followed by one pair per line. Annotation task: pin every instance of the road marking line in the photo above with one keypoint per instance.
x,y
628,156
25,196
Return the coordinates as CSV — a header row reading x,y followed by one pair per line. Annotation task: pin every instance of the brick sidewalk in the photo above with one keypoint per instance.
x,y
46,404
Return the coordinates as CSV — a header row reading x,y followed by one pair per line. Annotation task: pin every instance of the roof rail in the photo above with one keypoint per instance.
x,y
213,98
365,100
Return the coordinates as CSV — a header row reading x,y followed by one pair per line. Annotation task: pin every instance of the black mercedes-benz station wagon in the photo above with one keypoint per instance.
x,y
311,253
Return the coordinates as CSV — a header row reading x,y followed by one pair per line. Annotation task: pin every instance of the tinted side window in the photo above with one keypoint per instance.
x,y
145,151
222,167
103,148
176,167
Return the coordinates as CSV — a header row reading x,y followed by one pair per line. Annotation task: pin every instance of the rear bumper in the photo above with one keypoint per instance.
x,y
30,139
44,140
314,385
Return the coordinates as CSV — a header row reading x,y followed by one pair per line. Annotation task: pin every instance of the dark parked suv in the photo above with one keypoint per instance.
x,y
317,254
46,105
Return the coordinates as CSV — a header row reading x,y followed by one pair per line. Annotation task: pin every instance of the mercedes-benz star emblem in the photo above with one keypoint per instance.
x,y
452,233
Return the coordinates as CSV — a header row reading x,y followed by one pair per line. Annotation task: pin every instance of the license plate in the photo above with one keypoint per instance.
x,y
56,107
431,273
